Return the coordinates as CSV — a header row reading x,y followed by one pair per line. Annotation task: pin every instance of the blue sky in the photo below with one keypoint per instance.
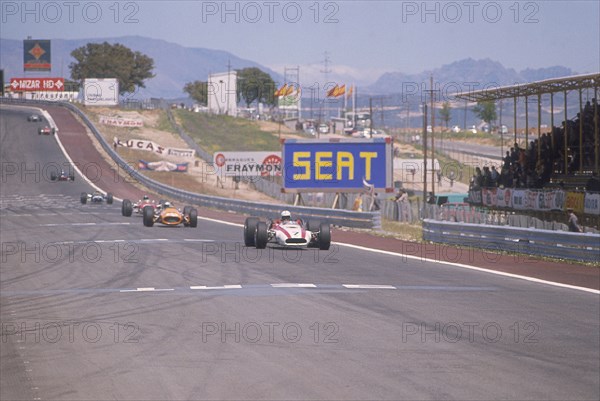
x,y
363,38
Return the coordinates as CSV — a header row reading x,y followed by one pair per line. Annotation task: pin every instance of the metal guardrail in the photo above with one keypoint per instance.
x,y
566,245
346,218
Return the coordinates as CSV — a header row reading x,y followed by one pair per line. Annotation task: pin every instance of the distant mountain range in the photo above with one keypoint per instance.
x,y
176,65
477,73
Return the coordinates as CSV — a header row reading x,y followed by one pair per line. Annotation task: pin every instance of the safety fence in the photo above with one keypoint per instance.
x,y
565,245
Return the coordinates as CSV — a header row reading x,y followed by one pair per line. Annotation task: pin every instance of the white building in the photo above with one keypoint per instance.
x,y
222,98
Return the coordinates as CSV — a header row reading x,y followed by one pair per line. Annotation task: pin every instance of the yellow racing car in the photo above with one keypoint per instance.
x,y
169,215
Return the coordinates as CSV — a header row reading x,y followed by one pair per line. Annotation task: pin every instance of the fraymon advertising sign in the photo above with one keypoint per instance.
x,y
247,164
337,164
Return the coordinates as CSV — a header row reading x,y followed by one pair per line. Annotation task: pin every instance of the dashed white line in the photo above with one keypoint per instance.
x,y
223,287
293,285
369,286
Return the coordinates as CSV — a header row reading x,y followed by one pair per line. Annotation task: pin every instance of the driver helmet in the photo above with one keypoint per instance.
x,y
286,215
145,197
167,204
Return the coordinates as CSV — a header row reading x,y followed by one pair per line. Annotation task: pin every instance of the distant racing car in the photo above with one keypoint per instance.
x,y
128,207
46,131
169,215
287,233
96,197
63,176
34,118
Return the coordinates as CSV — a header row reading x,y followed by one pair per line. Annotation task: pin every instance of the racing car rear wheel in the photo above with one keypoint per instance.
x,y
313,225
186,210
324,237
126,208
72,177
52,176
249,229
193,217
83,198
148,216
109,198
261,236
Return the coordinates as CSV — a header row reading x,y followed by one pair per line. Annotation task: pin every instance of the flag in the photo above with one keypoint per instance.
x,y
289,90
341,91
332,92
349,95
281,91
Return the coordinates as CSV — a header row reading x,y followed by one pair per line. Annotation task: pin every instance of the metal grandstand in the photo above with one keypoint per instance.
x,y
539,88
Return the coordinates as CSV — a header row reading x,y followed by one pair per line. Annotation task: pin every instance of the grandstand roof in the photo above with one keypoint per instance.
x,y
533,88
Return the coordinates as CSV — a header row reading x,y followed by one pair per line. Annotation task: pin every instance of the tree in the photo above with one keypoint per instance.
x,y
255,85
486,111
104,60
445,113
198,90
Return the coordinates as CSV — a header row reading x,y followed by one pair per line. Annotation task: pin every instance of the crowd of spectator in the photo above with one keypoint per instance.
x,y
533,166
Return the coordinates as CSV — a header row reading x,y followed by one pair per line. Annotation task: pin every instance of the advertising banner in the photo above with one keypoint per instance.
x,y
592,204
121,121
101,92
488,196
36,55
504,197
142,144
37,84
575,201
248,164
337,164
518,199
163,166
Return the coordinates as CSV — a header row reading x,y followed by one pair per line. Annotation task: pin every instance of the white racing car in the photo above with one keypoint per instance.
x,y
286,232
96,197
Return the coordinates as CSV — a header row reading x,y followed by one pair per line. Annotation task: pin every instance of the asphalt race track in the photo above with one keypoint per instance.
x,y
95,306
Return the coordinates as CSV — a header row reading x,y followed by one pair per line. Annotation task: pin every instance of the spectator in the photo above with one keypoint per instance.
x,y
573,224
494,177
376,203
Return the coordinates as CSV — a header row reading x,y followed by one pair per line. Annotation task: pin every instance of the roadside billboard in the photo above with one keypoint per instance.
x,y
247,164
36,55
101,92
337,165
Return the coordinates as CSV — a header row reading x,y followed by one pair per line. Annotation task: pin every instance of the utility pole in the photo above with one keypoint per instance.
x,y
228,83
431,92
425,160
371,119
326,70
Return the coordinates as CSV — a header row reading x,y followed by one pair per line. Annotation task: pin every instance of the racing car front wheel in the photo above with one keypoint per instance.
x,y
52,176
249,229
109,198
261,236
83,198
186,210
193,213
324,236
148,216
126,208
